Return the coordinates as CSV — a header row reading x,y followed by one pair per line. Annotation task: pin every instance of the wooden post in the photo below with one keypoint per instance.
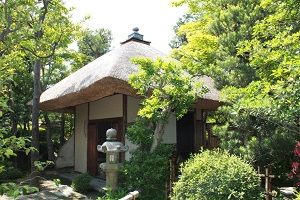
x,y
131,196
172,177
268,184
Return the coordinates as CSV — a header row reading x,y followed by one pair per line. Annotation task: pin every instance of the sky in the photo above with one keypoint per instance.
x,y
154,18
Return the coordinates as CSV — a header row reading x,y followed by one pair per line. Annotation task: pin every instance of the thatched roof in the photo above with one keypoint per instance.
x,y
105,76
213,93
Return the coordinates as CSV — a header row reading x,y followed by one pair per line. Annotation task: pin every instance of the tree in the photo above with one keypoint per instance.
x,y
213,37
166,88
11,13
172,90
53,71
8,144
94,43
274,55
11,60
49,18
37,34
180,39
253,55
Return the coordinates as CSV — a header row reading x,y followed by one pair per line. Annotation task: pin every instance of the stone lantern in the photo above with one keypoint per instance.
x,y
112,166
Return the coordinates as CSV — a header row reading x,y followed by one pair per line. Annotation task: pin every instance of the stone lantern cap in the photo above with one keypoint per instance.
x,y
112,146
111,134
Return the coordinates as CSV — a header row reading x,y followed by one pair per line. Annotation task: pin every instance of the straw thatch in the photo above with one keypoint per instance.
x,y
105,76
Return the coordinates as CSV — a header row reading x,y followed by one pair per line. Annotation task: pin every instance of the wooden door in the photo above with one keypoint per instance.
x,y
97,136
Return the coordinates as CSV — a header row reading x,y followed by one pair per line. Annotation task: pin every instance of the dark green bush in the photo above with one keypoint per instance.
x,y
10,174
148,172
81,183
217,175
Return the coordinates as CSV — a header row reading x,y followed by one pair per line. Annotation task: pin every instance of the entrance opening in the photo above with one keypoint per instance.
x,y
97,136
185,135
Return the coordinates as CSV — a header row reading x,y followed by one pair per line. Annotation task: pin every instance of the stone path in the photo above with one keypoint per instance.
x,y
49,191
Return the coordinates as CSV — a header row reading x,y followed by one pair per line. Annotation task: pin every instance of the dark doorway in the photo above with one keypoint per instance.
x,y
97,136
185,135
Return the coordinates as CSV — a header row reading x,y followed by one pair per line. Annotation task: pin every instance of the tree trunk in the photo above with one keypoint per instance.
x,y
12,112
35,113
48,136
62,130
35,143
160,129
158,133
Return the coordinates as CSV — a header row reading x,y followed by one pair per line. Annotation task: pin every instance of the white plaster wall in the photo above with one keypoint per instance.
x,y
133,105
108,107
65,156
170,131
81,124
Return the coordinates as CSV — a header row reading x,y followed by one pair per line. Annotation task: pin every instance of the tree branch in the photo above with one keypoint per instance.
x,y
286,126
53,49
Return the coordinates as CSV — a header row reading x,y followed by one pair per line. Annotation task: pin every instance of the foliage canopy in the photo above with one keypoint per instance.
x,y
251,50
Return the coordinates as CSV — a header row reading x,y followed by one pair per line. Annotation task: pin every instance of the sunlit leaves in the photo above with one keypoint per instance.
x,y
213,39
257,64
20,23
166,88
164,84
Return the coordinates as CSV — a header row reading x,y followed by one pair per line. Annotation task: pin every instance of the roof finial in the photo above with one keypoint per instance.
x,y
136,36
136,29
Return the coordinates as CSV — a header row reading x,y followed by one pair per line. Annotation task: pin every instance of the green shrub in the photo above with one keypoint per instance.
x,y
81,183
14,190
148,172
10,174
217,175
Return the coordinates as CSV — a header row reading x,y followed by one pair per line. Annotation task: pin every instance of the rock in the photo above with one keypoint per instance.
x,y
288,192
4,197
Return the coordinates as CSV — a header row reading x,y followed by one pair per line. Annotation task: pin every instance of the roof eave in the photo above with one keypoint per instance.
x,y
105,87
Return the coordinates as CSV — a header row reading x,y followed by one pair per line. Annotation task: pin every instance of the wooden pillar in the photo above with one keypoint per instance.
x,y
207,129
199,138
124,124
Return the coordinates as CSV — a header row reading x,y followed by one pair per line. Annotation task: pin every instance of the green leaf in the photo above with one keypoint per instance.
x,y
9,152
